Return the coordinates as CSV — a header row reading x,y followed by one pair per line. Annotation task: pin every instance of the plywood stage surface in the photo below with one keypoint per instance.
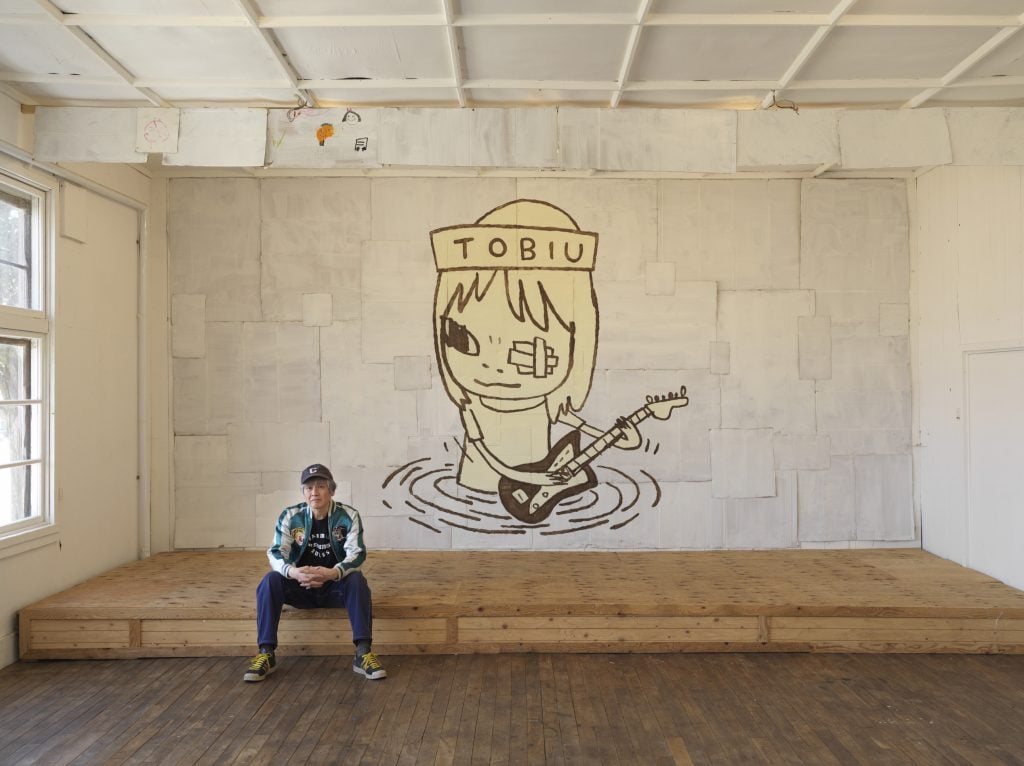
x,y
189,604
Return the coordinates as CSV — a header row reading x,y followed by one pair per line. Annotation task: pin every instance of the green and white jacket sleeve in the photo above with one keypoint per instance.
x,y
353,552
281,553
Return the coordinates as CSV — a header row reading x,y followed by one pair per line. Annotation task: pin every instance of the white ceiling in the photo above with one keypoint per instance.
x,y
610,53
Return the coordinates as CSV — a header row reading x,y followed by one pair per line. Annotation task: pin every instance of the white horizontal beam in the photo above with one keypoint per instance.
x,y
494,84
863,84
540,84
353,20
382,84
150,20
59,79
524,19
213,82
987,82
546,20
648,85
923,20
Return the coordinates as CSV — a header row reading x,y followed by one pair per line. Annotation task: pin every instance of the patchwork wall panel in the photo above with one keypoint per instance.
x,y
542,363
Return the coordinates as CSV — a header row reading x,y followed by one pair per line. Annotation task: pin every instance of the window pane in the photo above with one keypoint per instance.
x,y
16,251
14,372
19,493
13,286
19,432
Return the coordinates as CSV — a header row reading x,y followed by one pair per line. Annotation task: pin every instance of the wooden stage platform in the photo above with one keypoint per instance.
x,y
189,604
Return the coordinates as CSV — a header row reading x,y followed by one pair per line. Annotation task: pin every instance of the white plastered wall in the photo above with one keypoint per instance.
x,y
969,324
15,127
301,312
95,394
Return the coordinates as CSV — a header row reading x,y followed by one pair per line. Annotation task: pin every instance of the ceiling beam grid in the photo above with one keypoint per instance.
x,y
57,15
271,44
517,19
632,44
454,50
807,51
973,58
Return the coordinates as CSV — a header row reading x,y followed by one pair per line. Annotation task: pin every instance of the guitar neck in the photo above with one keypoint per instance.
x,y
603,442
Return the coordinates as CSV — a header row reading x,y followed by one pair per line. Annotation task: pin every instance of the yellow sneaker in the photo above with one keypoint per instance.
x,y
369,666
261,666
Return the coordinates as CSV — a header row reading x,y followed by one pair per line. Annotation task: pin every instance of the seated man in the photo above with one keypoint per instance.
x,y
315,557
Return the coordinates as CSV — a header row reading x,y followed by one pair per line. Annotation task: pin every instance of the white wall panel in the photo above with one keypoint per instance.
x,y
884,497
220,138
763,387
989,241
213,232
762,522
85,134
408,209
188,326
742,462
787,139
854,236
276,446
807,451
741,234
681,140
214,517
208,391
896,138
623,212
996,453
688,518
280,372
826,502
676,329
986,136
202,461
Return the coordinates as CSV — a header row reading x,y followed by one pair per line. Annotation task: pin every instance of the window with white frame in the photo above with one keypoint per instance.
x,y
24,334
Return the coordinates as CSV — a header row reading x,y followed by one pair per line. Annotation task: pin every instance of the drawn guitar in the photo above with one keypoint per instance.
x,y
532,503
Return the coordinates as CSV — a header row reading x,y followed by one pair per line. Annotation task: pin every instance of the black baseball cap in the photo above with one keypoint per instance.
x,y
316,471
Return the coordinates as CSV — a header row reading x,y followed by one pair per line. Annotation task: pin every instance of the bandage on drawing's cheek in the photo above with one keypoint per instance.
x,y
535,358
521,357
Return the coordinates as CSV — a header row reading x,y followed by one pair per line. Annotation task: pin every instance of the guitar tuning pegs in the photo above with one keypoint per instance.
x,y
650,399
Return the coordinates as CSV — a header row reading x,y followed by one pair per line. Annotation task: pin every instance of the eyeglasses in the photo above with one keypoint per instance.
x,y
309,486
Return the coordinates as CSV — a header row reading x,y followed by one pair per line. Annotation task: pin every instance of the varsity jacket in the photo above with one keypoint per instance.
x,y
292,533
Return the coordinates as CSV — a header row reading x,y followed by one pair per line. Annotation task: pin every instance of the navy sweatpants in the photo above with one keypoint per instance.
x,y
351,593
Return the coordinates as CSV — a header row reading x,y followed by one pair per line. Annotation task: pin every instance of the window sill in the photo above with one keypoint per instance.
x,y
23,541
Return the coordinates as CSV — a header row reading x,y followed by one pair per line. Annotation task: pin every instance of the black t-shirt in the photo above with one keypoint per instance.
x,y
319,552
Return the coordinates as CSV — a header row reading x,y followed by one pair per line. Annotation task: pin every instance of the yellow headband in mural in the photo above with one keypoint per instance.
x,y
524,234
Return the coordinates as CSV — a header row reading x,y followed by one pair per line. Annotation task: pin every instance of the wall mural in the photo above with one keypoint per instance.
x,y
515,336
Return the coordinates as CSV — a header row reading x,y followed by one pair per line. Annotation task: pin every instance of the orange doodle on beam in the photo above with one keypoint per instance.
x,y
324,132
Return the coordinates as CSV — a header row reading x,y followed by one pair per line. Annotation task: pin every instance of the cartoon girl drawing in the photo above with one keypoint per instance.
x,y
515,332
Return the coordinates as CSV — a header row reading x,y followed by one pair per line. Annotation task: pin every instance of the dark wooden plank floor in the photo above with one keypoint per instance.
x,y
521,709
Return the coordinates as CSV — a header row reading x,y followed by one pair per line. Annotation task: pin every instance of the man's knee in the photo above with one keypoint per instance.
x,y
357,580
271,582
